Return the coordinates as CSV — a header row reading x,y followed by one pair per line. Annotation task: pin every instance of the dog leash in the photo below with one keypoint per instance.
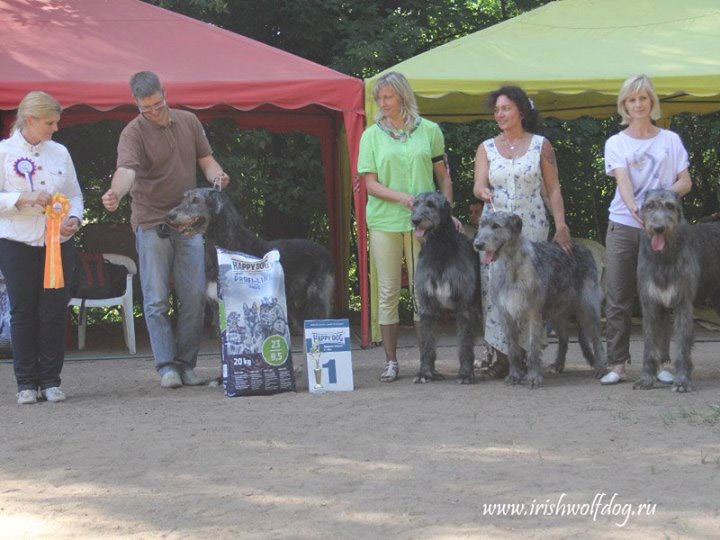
x,y
413,303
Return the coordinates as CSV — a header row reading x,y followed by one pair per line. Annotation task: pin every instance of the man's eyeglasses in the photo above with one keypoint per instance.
x,y
152,108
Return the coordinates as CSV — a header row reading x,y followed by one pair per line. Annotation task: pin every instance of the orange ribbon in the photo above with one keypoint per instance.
x,y
55,212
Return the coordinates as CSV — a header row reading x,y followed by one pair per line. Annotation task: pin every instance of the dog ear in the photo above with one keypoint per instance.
x,y
446,209
681,215
215,200
516,223
679,206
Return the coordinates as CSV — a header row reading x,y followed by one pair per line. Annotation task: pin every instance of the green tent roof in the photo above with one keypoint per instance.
x,y
571,56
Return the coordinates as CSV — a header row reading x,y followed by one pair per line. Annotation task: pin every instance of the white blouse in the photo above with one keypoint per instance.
x,y
54,172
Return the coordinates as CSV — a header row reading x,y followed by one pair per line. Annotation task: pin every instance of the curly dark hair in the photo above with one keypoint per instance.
x,y
530,116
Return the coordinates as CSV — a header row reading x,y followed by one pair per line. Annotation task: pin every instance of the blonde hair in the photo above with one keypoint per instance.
x,y
635,85
37,104
408,104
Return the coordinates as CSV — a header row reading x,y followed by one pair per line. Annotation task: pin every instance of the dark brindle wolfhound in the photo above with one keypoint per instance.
x,y
678,265
535,281
308,266
446,278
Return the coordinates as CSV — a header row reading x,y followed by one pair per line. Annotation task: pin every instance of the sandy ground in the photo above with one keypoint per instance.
x,y
123,458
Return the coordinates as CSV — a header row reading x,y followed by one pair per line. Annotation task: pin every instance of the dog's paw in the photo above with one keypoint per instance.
x,y
556,368
683,384
645,382
534,381
423,376
514,379
427,375
466,378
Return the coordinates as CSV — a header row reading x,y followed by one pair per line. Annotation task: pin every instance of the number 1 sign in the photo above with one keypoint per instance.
x,y
327,348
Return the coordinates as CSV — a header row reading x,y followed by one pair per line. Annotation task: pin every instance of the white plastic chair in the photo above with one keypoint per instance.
x,y
124,302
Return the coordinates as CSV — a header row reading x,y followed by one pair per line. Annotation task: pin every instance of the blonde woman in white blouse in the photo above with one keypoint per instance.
x,y
640,158
32,169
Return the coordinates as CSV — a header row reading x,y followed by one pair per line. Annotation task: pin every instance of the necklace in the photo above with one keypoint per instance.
x,y
513,145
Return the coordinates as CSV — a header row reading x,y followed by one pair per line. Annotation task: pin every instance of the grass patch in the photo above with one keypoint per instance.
x,y
691,416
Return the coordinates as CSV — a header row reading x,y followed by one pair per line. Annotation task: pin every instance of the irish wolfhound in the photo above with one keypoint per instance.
x,y
308,266
447,277
678,264
534,281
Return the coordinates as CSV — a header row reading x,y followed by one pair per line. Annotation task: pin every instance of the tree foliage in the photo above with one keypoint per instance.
x,y
356,38
277,180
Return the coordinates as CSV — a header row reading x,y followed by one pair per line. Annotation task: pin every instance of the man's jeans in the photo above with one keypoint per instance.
x,y
181,258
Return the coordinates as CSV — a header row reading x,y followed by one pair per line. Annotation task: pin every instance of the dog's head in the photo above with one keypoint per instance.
x,y
661,213
430,210
250,314
268,312
233,321
494,231
196,210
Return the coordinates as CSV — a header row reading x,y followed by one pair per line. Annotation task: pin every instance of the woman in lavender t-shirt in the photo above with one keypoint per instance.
x,y
641,157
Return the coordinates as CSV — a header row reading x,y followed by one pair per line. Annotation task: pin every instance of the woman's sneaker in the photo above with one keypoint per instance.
x,y
54,393
391,371
26,397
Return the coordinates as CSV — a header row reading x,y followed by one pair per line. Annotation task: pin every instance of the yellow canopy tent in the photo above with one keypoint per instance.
x,y
571,57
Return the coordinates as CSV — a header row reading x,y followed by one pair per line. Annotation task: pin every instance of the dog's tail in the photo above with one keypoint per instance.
x,y
585,347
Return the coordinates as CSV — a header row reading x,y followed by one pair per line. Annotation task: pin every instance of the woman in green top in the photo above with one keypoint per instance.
x,y
398,156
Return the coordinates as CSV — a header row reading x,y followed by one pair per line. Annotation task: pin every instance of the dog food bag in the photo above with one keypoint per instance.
x,y
254,328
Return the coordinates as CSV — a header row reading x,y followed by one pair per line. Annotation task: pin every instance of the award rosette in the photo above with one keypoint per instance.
x,y
55,212
25,167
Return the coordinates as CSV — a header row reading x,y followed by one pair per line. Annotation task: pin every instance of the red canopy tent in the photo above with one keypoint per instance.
x,y
83,52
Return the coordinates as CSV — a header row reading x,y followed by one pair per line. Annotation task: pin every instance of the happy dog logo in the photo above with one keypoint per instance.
x,y
333,338
250,266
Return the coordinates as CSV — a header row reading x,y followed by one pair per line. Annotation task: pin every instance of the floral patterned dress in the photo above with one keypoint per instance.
x,y
517,187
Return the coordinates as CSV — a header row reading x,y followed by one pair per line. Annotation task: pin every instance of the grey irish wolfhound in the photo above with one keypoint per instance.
x,y
534,281
308,266
678,265
447,278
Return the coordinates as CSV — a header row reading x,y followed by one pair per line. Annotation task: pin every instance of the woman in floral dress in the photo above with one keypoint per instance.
x,y
516,172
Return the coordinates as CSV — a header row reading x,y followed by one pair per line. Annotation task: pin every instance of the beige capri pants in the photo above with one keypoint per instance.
x,y
388,249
